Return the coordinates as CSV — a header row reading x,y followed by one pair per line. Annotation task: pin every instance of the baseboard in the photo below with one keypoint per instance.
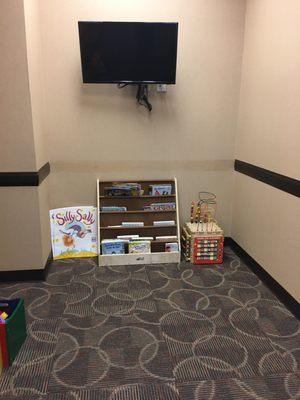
x,y
26,275
291,304
227,240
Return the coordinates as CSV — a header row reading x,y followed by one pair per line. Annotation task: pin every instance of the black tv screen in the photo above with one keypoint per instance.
x,y
128,52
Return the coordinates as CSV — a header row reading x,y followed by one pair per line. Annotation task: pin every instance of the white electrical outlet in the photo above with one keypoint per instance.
x,y
161,87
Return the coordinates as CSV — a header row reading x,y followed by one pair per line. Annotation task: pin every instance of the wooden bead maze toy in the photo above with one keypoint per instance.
x,y
202,238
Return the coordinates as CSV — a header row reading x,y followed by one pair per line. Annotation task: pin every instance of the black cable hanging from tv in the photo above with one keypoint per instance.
x,y
141,94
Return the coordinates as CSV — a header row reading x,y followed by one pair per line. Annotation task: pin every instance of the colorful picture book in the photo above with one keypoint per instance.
x,y
123,190
160,190
170,247
140,247
113,246
73,232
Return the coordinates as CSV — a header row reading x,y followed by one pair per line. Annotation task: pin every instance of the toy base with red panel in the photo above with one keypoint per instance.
x,y
208,249
203,243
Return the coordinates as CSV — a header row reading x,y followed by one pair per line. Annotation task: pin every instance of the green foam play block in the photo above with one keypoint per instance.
x,y
15,328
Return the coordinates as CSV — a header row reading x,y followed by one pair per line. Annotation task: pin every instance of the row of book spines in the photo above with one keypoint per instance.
x,y
140,247
140,224
127,238
152,207
136,188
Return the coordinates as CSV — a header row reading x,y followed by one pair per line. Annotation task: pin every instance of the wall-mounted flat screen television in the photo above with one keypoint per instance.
x,y
128,52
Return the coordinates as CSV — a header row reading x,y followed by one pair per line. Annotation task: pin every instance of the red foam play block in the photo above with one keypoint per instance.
x,y
3,346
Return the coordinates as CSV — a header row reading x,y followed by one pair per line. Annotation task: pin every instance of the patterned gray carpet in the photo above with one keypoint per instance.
x,y
153,333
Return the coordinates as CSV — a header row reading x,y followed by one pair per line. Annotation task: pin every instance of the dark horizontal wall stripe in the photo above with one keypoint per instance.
x,y
291,304
282,182
24,178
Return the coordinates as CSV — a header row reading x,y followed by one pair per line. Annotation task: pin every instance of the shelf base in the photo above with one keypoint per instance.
x,y
131,259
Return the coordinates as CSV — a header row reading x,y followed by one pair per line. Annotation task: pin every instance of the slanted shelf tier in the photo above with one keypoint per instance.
x,y
109,222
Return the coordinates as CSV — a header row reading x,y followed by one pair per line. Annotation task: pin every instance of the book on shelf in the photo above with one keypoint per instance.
x,y
140,247
169,247
163,223
114,226
123,190
166,237
112,208
161,207
112,246
73,232
145,238
128,237
160,189
133,224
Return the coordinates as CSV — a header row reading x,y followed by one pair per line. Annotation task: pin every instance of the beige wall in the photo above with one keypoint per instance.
x,y
269,118
20,240
16,130
37,96
99,131
43,210
36,82
266,224
266,220
25,238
